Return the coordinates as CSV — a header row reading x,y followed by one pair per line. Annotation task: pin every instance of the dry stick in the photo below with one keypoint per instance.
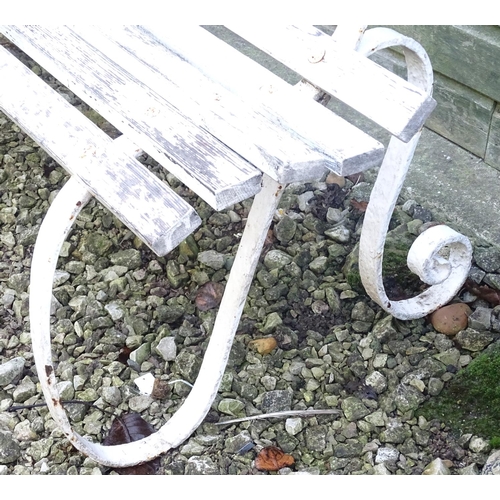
x,y
279,414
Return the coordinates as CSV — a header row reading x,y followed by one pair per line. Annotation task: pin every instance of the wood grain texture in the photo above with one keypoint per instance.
x,y
462,115
137,197
345,148
393,103
493,150
194,156
239,123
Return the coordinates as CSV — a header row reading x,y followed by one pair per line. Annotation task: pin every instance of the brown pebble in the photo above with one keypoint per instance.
x,y
263,346
451,319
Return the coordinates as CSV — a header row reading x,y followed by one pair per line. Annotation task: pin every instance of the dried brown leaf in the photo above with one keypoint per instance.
x,y
124,355
483,292
127,429
209,295
161,389
273,459
359,205
269,241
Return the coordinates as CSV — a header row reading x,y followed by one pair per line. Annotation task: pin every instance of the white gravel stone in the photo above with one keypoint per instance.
x,y
338,234
436,468
386,454
379,360
381,470
11,370
167,348
293,426
478,444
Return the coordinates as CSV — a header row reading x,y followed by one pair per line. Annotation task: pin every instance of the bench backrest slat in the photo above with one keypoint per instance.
x,y
263,142
117,180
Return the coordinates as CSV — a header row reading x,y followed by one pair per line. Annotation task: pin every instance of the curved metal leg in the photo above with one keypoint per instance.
x,y
446,274
53,232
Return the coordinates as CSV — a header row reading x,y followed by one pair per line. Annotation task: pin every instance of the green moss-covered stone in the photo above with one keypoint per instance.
x,y
189,248
96,243
471,401
232,407
130,258
394,267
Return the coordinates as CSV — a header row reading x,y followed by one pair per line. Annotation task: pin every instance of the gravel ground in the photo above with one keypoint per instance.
x,y
121,312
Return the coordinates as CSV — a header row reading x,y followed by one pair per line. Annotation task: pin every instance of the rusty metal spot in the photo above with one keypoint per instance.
x,y
48,370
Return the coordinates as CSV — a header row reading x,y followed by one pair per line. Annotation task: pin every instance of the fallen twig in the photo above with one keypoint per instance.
x,y
279,414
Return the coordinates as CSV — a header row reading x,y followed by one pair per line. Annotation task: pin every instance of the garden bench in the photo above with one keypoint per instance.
x,y
228,129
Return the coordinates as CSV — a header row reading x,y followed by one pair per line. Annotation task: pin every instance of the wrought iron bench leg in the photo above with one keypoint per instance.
x,y
54,230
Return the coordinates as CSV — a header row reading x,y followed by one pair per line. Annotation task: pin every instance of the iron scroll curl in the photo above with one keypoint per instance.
x,y
440,256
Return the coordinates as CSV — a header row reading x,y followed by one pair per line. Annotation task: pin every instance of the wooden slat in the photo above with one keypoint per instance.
x,y
137,197
275,150
253,130
346,149
268,145
208,167
398,106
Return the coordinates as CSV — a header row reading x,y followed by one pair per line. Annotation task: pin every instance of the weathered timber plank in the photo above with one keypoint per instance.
x,y
393,103
208,167
252,129
137,197
275,99
319,128
241,125
463,115
467,54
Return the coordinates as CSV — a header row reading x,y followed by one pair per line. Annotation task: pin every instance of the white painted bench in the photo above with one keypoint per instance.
x,y
228,129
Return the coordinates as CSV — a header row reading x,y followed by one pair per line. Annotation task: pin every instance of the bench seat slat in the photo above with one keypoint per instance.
x,y
275,150
252,129
346,149
208,167
152,210
393,103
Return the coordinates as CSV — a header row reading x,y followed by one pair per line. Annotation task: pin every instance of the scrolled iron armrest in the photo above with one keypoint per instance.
x,y
426,258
